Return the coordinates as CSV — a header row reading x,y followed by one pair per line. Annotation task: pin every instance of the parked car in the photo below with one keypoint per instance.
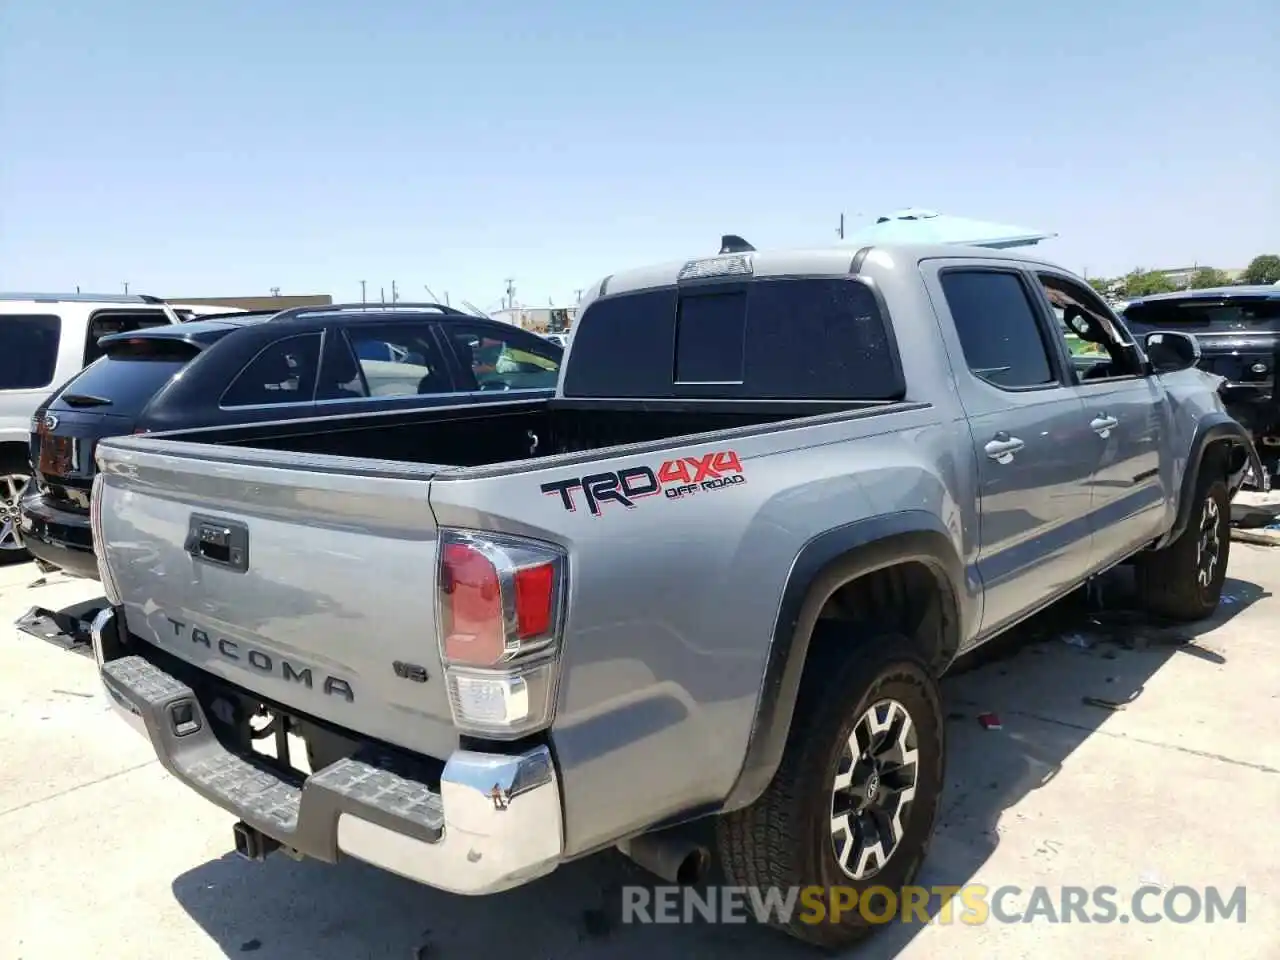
x,y
1238,329
45,339
718,574
260,368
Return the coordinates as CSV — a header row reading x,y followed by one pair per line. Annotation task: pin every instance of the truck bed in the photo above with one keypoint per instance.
x,y
498,435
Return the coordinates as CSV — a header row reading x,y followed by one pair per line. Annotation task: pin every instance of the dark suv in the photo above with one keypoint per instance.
x,y
1238,329
262,368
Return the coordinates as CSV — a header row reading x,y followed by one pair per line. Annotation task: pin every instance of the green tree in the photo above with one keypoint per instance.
x,y
1206,277
1100,285
1263,269
1142,283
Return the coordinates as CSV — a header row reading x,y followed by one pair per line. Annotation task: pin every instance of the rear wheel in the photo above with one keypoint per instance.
x,y
1184,580
15,476
854,800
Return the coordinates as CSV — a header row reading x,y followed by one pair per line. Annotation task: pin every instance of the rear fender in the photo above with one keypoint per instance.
x,y
823,565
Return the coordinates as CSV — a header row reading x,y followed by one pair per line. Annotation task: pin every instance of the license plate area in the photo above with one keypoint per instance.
x,y
57,455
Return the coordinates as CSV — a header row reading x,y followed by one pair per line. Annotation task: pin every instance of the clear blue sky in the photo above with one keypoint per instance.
x,y
229,147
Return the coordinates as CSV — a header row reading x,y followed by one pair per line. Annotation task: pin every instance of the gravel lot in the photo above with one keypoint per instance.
x,y
105,856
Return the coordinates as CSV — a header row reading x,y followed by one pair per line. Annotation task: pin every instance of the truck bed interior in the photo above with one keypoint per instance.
x,y
504,432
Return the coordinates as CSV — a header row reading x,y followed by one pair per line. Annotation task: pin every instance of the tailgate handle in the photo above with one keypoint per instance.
x,y
223,543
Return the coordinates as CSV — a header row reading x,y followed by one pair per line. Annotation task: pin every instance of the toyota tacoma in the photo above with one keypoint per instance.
x,y
717,575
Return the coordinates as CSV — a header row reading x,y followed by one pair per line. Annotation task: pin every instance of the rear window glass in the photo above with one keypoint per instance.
x,y
126,378
783,339
28,350
710,334
1207,316
103,323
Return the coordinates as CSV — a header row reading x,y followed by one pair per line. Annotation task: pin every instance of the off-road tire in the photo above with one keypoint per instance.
x,y
1169,580
12,464
784,839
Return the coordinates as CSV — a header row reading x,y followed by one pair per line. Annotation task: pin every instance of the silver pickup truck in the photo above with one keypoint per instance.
x,y
718,575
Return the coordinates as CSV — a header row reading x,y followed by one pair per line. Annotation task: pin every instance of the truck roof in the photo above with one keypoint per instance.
x,y
799,261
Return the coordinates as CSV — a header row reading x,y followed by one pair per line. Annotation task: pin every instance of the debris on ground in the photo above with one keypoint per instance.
x,y
1105,704
1076,640
990,721
56,626
1263,537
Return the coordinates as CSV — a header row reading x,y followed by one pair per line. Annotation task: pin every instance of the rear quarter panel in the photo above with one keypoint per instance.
x,y
672,602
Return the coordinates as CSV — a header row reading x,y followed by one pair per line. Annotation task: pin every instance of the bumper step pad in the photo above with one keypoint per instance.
x,y
301,813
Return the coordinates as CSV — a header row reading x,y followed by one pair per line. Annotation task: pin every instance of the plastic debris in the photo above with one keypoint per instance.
x,y
1102,702
1077,640
990,721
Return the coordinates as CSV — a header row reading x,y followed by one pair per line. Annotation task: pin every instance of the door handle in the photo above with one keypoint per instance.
x,y
1102,425
1002,447
222,543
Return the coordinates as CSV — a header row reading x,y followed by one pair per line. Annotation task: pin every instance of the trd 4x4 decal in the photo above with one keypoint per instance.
x,y
674,479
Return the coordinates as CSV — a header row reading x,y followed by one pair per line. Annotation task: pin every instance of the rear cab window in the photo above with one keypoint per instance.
x,y
29,350
817,338
122,381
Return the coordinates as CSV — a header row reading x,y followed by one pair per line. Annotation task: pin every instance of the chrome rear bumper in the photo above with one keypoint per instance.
x,y
493,823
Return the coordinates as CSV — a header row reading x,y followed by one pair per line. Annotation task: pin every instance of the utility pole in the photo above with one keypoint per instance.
x,y
394,295
840,229
126,288
578,294
511,292
382,295
275,291
363,299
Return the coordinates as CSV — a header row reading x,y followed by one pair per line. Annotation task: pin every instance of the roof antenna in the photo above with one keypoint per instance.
x,y
732,243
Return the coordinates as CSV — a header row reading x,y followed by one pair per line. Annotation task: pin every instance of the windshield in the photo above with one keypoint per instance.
x,y
1207,316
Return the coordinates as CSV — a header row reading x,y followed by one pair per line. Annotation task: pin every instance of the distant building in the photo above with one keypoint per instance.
x,y
258,303
538,319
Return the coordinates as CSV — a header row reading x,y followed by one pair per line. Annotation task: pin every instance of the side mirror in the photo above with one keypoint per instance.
x,y
1170,352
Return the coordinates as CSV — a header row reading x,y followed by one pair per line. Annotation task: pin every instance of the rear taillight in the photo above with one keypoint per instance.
x,y
499,620
109,588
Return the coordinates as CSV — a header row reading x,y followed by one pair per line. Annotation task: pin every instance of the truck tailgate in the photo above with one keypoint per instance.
x,y
269,569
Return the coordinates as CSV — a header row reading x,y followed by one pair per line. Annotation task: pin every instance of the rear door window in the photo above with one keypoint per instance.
x,y
123,380
394,360
28,350
103,323
496,359
284,372
998,327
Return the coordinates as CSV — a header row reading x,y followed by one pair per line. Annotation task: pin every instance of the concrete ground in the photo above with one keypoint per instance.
x,y
103,855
